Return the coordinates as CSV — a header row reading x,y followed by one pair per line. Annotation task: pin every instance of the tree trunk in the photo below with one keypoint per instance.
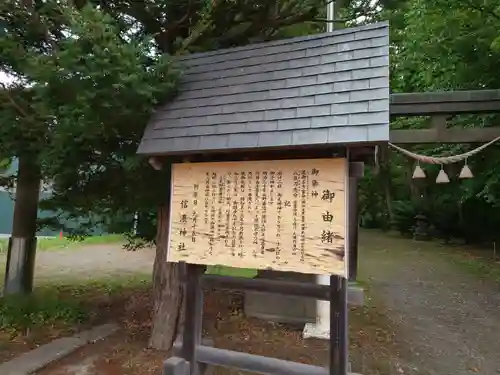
x,y
167,290
22,244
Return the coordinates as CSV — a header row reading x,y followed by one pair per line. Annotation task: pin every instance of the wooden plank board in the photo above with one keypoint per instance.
x,y
451,135
285,215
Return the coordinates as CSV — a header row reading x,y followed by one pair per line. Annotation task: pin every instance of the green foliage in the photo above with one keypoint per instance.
x,y
404,217
92,76
440,45
374,213
5,165
83,95
18,313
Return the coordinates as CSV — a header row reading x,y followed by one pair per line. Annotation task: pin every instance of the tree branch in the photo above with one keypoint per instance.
x,y
199,29
183,19
11,100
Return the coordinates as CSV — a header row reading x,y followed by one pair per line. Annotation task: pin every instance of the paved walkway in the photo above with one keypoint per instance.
x,y
447,320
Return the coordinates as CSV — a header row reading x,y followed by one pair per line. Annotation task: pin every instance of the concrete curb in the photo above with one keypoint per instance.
x,y
38,358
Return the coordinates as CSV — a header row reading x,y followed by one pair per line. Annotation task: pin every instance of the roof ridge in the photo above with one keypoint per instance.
x,y
254,46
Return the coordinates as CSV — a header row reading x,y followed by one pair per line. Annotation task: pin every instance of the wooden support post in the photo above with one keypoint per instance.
x,y
338,326
192,358
191,336
352,245
344,328
356,171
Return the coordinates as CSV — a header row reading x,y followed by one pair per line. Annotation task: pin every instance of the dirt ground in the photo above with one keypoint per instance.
x,y
447,320
425,316
125,353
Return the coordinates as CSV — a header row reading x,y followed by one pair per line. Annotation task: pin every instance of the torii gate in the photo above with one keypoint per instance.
x,y
439,106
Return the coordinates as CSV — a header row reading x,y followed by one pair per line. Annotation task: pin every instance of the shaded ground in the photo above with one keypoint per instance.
x,y
446,317
66,309
125,353
100,278
431,313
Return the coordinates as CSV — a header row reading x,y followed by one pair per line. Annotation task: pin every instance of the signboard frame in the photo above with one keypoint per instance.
x,y
278,163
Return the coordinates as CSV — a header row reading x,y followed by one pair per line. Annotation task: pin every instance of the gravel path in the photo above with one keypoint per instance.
x,y
447,321
90,262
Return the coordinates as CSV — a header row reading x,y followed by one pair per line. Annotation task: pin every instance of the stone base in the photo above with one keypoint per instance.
x,y
281,308
289,309
316,331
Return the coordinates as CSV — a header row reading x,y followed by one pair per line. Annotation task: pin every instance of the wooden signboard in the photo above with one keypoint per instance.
x,y
284,215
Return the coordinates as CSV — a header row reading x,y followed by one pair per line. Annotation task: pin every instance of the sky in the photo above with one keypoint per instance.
x,y
5,78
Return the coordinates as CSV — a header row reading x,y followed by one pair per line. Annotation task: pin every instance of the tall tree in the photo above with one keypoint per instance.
x,y
93,167
78,83
176,27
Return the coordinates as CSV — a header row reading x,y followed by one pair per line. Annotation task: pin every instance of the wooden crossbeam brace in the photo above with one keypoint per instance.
x,y
451,135
290,288
445,102
192,355
253,363
439,133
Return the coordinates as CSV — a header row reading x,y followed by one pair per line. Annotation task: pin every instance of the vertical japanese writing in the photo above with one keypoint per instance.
x,y
279,208
194,215
250,192
242,213
327,235
234,211
303,201
220,200
315,183
207,196
228,209
183,224
213,202
272,180
263,216
295,211
256,217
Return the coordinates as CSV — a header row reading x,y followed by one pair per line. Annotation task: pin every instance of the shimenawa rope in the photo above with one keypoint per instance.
x,y
444,159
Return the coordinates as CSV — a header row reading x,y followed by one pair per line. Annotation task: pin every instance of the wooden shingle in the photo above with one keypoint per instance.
x,y
330,88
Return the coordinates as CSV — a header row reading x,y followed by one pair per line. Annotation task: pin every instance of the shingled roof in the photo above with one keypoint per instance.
x,y
322,89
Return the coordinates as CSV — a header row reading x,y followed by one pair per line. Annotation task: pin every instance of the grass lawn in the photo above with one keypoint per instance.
x,y
229,271
476,262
